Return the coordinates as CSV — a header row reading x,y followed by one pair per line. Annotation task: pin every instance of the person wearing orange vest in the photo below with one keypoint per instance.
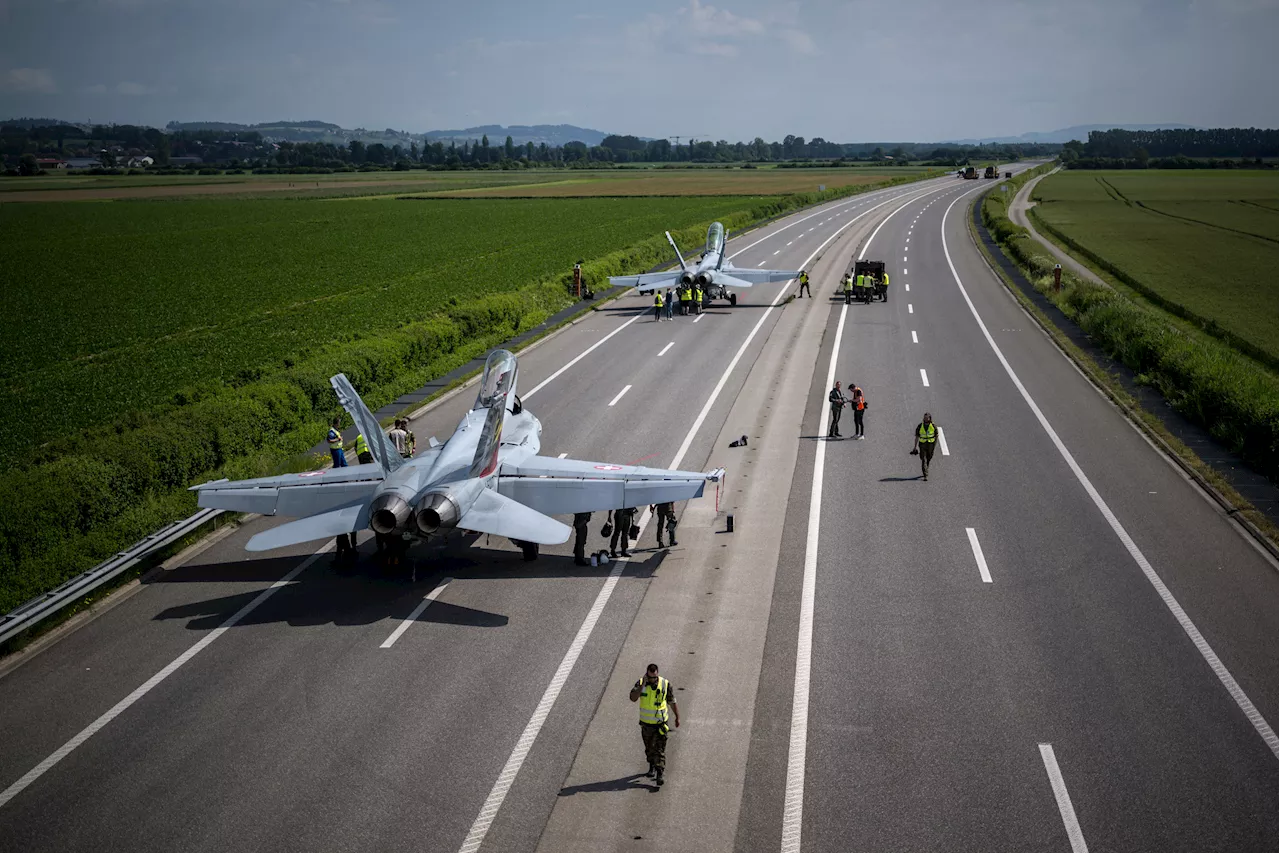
x,y
857,402
655,695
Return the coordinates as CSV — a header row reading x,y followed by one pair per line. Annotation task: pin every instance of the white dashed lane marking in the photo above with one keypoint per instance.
x,y
914,339
664,349
977,554
924,377
615,400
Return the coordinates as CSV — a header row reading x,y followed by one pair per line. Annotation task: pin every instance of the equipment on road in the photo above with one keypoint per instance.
x,y
991,172
487,478
1008,174
873,271
713,272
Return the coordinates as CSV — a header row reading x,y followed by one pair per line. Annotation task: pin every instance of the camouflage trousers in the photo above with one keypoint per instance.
x,y
655,745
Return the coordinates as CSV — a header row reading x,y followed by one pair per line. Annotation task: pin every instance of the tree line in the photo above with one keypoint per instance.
x,y
1218,148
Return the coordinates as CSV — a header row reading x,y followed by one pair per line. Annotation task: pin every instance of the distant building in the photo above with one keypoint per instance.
x,y
140,162
185,161
83,163
51,163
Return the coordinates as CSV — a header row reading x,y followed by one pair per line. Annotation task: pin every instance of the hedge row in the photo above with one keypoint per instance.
x,y
1208,382
91,494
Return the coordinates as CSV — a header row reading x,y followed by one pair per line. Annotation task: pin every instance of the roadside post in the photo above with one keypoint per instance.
x,y
577,280
1057,277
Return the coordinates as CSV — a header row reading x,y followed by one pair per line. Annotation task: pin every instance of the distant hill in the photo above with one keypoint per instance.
x,y
29,123
1066,134
552,134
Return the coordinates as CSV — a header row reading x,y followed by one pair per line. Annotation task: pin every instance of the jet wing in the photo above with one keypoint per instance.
x,y
323,526
562,486
502,516
294,495
646,282
736,277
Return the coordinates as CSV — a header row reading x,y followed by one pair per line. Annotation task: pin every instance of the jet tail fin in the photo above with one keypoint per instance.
x,y
383,450
679,256
485,462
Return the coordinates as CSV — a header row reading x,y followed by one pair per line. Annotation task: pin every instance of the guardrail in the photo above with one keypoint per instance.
x,y
43,606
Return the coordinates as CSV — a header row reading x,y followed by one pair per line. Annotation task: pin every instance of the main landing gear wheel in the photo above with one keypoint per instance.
x,y
733,299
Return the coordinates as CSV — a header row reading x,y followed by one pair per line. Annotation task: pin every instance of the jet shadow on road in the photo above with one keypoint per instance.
x,y
367,593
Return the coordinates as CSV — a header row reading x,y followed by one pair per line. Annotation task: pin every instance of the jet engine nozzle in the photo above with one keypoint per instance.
x,y
388,513
704,279
436,511
687,278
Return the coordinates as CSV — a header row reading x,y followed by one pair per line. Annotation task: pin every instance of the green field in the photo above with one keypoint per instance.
x,y
1203,240
116,307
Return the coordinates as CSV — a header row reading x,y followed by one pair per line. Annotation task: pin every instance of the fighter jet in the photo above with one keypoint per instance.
x,y
487,478
713,271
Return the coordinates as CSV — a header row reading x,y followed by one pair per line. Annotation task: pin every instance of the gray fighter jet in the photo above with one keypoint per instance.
x,y
487,478
713,271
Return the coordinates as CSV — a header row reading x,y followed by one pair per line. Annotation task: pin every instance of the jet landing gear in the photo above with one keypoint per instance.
x,y
733,299
528,549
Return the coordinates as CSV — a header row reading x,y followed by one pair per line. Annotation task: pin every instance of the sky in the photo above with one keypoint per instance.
x,y
911,70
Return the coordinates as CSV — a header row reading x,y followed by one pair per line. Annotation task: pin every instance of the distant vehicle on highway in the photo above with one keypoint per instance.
x,y
487,478
713,272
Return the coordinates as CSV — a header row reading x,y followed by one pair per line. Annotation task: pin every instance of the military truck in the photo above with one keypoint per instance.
x,y
970,173
875,270
991,172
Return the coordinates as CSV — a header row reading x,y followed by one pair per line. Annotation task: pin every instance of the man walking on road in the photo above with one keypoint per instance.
x,y
669,304
837,401
666,515
804,285
655,694
335,444
926,438
657,305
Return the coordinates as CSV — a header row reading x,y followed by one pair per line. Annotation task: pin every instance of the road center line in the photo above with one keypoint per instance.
x,y
124,704
700,316
1060,794
664,349
619,397
924,377
977,554
1202,645
417,611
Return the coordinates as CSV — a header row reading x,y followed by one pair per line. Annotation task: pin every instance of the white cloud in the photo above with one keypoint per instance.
x,y
710,21
28,81
799,42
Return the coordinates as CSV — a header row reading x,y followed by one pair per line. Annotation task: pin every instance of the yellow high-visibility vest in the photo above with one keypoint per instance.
x,y
927,433
653,703
334,439
657,299
362,446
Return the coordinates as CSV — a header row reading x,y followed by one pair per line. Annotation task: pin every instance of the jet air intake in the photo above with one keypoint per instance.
x,y
388,513
436,511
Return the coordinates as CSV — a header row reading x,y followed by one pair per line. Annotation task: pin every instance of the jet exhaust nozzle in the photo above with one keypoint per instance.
x,y
686,279
704,279
388,513
437,511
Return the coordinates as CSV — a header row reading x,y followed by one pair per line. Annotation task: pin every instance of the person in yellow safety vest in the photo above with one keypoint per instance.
x,y
863,287
657,305
804,285
697,293
848,288
362,450
334,438
655,695
926,438
685,296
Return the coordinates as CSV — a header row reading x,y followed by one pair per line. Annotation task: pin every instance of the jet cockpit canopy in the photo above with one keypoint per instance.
x,y
715,237
499,379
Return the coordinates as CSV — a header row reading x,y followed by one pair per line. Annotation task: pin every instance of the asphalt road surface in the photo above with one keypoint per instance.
x,y
1056,643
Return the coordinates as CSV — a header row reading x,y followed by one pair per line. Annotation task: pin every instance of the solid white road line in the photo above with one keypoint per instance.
x,y
1060,794
525,743
793,804
700,316
1202,645
123,705
620,393
977,554
914,339
562,455
924,377
942,440
417,611
664,349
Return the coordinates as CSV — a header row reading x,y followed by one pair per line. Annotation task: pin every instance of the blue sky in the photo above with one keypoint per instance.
x,y
916,70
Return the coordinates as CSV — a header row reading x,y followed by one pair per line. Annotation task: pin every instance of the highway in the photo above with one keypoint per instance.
x,y
1056,643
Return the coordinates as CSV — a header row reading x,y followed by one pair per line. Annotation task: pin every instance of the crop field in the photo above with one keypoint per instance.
x,y
116,307
1204,240
668,182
